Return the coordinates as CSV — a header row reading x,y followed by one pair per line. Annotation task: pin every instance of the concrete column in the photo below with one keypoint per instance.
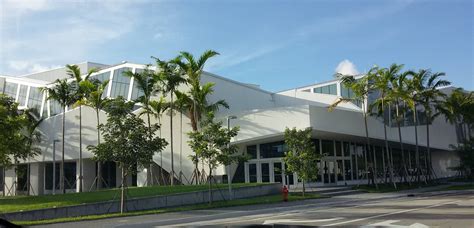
x,y
37,178
10,182
89,172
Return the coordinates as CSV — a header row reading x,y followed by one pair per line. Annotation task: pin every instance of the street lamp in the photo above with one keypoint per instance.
x,y
54,165
228,167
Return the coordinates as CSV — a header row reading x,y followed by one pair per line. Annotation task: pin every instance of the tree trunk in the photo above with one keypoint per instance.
x,y
387,150
404,168
99,164
368,146
304,189
171,141
61,170
417,152
151,181
28,179
3,183
210,185
80,148
122,194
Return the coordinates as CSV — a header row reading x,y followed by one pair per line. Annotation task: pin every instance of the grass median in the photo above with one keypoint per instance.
x,y
217,204
383,188
25,203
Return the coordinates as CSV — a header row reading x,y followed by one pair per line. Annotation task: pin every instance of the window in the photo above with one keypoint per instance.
x,y
102,77
252,173
265,172
316,146
35,99
109,170
277,172
22,95
338,149
273,150
328,147
328,89
11,89
120,83
252,151
22,177
347,151
69,175
136,91
54,108
48,176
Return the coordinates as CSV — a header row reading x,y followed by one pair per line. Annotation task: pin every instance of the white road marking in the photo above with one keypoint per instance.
x,y
392,213
389,223
279,221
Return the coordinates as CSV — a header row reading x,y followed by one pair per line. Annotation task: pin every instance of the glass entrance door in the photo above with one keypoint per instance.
x,y
329,173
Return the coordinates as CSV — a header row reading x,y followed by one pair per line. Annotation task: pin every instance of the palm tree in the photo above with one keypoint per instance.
x,y
95,99
195,100
75,72
381,81
361,89
400,94
30,136
145,82
172,78
157,108
65,94
428,95
454,108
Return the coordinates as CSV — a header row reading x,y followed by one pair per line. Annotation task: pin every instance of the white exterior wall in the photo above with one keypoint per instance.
x,y
261,115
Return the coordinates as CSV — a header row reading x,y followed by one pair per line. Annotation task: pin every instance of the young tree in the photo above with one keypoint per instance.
x,y
19,132
381,81
361,89
172,79
127,141
64,93
146,82
195,100
466,155
95,99
212,145
75,72
301,157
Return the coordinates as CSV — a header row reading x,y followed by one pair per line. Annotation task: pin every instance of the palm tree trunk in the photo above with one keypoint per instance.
x,y
171,141
404,168
61,170
387,150
99,164
429,168
80,148
417,152
304,189
368,146
151,181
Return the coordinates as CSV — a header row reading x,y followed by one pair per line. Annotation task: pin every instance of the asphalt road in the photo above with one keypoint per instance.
x,y
441,209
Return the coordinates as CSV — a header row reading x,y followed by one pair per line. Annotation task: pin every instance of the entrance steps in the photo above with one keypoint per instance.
x,y
327,191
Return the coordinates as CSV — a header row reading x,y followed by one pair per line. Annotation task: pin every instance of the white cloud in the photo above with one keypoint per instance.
x,y
346,67
69,39
30,67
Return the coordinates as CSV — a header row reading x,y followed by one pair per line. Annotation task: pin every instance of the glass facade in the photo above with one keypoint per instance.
x,y
11,89
252,151
22,95
273,150
35,99
136,91
54,108
328,89
120,83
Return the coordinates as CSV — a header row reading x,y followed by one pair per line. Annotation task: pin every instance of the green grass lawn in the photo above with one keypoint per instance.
x,y
238,202
382,188
461,187
24,203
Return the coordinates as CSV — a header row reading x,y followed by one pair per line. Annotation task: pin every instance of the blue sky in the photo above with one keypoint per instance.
x,y
276,44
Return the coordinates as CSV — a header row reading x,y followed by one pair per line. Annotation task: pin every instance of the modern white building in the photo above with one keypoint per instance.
x,y
261,115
